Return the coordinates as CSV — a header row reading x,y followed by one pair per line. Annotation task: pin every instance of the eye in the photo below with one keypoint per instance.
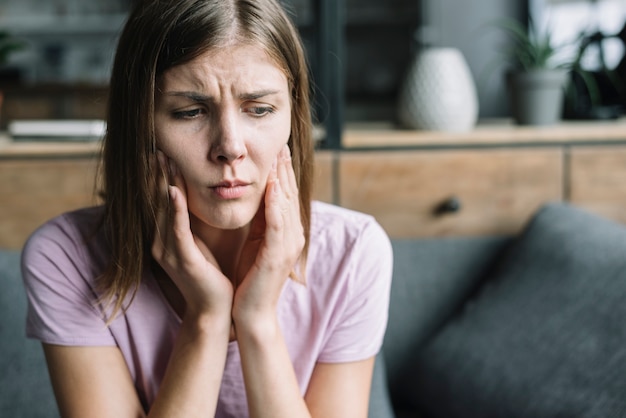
x,y
187,114
259,111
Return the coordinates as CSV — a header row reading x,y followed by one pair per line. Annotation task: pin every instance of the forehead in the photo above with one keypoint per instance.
x,y
236,64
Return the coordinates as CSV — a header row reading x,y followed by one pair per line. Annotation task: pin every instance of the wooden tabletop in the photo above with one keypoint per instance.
x,y
486,133
55,149
385,135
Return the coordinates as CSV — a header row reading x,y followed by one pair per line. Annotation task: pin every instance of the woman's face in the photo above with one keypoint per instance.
x,y
222,119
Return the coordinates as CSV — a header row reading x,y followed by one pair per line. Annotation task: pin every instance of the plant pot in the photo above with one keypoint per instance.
x,y
537,96
438,92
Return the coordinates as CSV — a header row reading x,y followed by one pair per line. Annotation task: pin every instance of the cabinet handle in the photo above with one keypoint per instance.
x,y
450,205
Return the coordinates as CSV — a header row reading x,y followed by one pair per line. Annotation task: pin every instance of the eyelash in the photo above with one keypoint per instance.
x,y
255,111
264,110
187,114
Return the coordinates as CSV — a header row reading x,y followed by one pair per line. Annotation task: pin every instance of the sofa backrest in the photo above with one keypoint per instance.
x,y
431,279
25,389
544,334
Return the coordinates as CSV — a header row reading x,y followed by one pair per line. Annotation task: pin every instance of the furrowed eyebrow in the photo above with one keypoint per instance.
x,y
258,94
196,97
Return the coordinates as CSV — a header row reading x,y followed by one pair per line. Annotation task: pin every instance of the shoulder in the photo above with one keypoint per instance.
x,y
349,270
72,237
69,226
61,263
347,245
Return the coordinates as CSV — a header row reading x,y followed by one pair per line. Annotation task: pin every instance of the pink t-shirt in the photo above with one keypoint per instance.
x,y
340,315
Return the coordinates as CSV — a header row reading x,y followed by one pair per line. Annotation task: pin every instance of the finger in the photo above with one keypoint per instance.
x,y
177,194
275,203
172,215
283,168
162,186
176,178
179,217
288,183
293,183
273,175
284,236
162,172
293,229
270,199
162,206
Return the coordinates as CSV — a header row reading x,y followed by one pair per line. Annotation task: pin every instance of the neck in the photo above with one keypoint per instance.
x,y
224,244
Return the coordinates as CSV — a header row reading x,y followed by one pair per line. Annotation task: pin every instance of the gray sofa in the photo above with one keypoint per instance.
x,y
527,326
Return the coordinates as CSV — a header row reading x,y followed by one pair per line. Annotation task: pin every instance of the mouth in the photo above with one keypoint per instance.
x,y
229,190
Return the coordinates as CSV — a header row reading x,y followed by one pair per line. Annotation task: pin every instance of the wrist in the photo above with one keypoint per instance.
x,y
257,326
207,323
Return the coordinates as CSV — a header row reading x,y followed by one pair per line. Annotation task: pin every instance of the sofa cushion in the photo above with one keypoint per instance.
x,y
544,337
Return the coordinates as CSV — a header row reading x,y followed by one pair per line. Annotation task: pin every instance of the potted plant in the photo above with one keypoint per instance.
x,y
598,93
537,76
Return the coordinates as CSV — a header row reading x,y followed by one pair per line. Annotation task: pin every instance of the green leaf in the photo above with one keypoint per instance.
x,y
528,47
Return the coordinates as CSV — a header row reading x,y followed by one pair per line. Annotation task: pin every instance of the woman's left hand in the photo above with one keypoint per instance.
x,y
274,245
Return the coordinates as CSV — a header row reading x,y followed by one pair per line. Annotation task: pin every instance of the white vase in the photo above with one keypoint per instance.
x,y
438,92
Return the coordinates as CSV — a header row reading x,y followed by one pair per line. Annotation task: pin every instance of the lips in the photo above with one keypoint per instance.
x,y
229,190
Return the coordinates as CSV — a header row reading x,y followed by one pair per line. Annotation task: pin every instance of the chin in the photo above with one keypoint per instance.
x,y
232,224
227,218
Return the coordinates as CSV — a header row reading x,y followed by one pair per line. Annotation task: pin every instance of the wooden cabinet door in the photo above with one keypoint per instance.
x,y
324,176
598,180
34,191
497,189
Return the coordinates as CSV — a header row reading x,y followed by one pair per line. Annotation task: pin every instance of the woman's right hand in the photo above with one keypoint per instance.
x,y
186,259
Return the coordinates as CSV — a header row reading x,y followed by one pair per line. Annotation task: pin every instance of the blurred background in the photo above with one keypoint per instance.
x,y
485,178
63,67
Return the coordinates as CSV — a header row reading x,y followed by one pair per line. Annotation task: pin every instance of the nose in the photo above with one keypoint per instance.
x,y
228,145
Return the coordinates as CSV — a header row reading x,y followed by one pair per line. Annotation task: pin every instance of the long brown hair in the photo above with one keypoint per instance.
x,y
158,35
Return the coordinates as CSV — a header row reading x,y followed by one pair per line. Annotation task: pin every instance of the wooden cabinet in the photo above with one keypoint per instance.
x,y
33,191
417,184
598,180
450,192
485,182
323,183
41,180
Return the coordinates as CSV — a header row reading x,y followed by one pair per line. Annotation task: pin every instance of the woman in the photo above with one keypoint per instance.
x,y
174,297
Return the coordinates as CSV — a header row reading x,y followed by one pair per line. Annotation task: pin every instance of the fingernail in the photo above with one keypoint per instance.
x,y
276,188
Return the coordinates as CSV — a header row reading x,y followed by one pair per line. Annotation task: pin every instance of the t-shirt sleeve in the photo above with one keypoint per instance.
x,y
59,282
361,321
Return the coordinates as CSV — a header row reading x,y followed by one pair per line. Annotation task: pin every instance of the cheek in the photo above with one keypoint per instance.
x,y
282,133
164,138
279,137
177,145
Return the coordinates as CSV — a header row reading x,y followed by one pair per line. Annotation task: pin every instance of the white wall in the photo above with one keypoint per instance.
x,y
468,26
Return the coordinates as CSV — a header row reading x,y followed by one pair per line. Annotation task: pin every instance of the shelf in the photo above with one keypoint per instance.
x,y
487,133
63,25
10,149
